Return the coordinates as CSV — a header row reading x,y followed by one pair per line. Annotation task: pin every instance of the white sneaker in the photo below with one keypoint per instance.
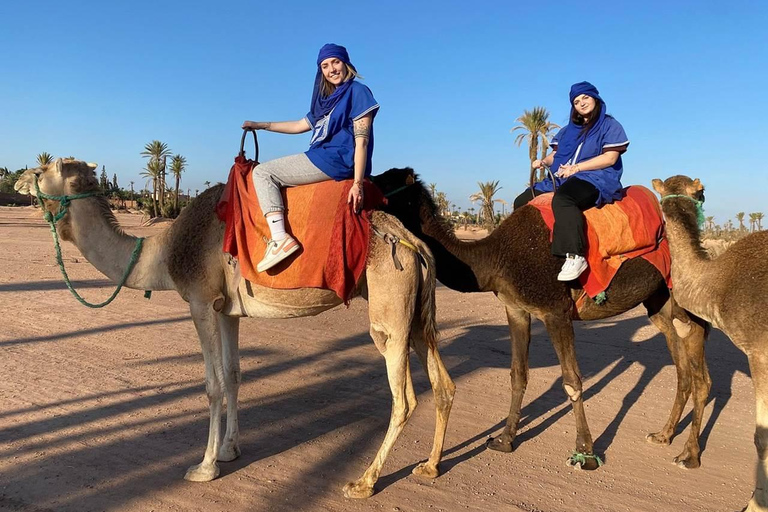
x,y
572,268
277,251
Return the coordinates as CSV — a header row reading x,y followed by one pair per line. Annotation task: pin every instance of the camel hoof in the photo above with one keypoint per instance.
x,y
228,453
200,473
686,461
358,490
426,470
659,439
500,444
753,506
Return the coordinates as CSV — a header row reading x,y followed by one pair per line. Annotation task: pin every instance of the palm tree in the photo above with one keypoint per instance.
x,y
433,189
207,184
759,220
752,222
710,222
44,158
152,173
442,203
158,152
536,125
485,195
178,165
740,218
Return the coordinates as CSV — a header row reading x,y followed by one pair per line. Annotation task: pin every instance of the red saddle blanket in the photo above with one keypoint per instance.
x,y
629,228
334,240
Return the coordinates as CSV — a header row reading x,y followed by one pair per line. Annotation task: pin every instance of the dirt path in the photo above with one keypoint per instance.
x,y
105,409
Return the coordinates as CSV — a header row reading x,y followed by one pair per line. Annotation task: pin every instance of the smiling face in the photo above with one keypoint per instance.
x,y
334,70
584,104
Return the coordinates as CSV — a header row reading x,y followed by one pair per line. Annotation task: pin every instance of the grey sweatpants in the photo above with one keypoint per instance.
x,y
288,171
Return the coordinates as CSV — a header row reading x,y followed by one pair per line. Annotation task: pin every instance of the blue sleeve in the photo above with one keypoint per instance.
x,y
614,135
362,102
556,138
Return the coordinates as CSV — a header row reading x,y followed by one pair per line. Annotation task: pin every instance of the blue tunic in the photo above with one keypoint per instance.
x,y
332,148
605,136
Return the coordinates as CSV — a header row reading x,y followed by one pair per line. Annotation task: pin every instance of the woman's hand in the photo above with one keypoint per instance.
x,y
566,171
355,197
256,125
537,164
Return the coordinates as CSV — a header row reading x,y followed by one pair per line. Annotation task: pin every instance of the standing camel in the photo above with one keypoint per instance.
x,y
514,262
187,257
730,291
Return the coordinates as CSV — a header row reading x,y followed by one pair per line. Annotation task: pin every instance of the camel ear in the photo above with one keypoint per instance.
x,y
92,166
410,179
698,185
58,165
658,186
694,188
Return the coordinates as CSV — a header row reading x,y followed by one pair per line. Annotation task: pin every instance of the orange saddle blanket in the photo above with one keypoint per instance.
x,y
334,240
629,228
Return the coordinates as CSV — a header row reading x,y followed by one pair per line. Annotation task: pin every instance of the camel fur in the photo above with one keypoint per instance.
x,y
730,291
514,262
187,258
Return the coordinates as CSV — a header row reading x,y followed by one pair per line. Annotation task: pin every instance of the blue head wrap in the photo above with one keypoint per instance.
x,y
321,106
572,135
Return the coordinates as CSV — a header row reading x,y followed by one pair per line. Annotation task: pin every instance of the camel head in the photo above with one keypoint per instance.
x,y
407,198
62,177
680,185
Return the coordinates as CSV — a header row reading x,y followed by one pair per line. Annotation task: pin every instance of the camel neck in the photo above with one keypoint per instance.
x,y
96,233
458,262
691,264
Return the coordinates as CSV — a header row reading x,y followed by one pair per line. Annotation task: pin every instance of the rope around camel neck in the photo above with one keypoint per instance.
x,y
64,202
700,219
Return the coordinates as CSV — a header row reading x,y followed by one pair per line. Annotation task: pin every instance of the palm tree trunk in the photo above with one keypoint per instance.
x,y
154,195
176,197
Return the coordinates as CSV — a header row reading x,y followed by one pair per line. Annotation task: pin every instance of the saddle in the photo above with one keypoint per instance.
x,y
629,228
334,239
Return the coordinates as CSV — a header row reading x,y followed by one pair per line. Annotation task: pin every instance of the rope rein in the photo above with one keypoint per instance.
x,y
64,202
700,218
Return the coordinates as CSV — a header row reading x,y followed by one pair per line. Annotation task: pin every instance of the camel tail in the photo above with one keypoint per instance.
x,y
427,289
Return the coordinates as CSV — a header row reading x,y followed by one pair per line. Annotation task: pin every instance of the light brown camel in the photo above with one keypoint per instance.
x,y
515,263
187,257
730,291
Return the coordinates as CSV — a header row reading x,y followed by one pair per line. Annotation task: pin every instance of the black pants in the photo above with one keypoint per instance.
x,y
572,197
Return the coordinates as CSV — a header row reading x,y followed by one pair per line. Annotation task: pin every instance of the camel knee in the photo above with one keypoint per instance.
x,y
234,377
573,390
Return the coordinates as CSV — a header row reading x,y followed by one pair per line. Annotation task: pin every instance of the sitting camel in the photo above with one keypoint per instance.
x,y
515,263
730,291
187,257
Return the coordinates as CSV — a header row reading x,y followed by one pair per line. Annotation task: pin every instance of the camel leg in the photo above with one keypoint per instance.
x,y
520,335
560,329
394,348
230,331
660,314
206,324
758,367
690,457
443,390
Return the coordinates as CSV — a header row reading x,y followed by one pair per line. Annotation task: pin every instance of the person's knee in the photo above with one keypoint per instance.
x,y
522,199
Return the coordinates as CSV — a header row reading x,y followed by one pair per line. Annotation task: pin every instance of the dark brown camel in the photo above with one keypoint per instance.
x,y
515,263
731,291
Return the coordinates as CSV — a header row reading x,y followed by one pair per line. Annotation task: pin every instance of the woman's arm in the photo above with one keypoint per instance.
x,y
546,161
362,132
601,161
300,126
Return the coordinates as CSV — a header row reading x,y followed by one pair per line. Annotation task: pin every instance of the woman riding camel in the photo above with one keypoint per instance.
x,y
587,163
341,117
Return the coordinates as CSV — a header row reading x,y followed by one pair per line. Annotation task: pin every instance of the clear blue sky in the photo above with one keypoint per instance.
x,y
98,80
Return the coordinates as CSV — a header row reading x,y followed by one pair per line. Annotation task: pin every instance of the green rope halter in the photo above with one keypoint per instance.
x,y
699,207
64,202
581,458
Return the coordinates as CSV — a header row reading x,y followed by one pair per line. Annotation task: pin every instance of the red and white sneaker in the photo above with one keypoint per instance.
x,y
277,251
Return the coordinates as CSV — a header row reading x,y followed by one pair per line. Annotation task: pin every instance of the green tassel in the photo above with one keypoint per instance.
x,y
600,298
147,294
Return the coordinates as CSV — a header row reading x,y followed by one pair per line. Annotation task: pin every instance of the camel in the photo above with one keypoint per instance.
x,y
514,262
187,257
730,291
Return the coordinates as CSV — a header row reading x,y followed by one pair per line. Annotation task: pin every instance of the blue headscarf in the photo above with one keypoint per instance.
x,y
321,106
570,138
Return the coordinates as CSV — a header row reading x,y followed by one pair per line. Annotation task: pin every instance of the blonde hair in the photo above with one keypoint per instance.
x,y
327,88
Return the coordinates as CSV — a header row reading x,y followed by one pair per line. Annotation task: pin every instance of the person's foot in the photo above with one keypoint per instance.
x,y
277,251
572,268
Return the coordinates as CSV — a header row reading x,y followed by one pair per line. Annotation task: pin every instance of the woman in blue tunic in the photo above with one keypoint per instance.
x,y
587,164
341,117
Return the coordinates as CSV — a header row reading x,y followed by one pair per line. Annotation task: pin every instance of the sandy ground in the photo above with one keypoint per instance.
x,y
105,409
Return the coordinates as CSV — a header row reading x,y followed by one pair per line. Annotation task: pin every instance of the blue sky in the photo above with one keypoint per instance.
x,y
98,80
